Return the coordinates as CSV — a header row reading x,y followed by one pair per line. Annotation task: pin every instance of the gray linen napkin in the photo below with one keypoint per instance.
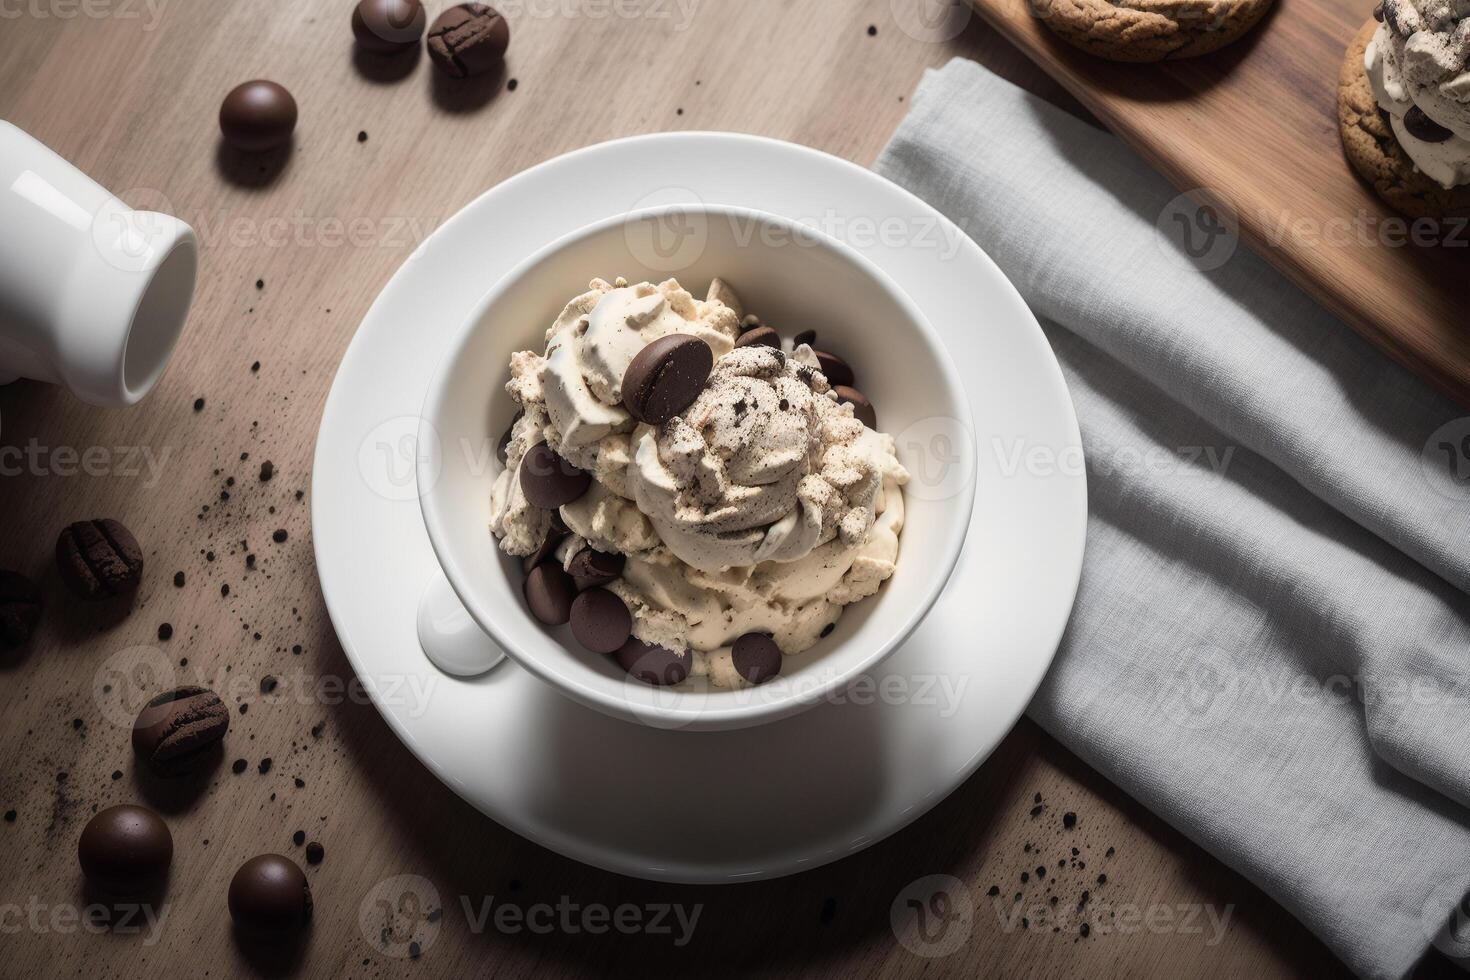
x,y
1271,641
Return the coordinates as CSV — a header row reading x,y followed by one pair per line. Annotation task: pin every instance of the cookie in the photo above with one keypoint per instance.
x,y
1150,30
1374,152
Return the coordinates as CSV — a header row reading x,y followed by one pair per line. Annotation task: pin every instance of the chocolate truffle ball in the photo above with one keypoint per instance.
x,y
125,849
388,26
269,894
257,116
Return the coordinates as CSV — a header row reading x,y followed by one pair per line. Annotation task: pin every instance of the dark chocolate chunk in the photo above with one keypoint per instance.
x,y
759,337
757,658
269,894
590,568
666,376
601,621
862,409
388,26
836,370
257,116
468,39
549,481
125,849
807,337
181,731
549,592
98,559
543,553
20,609
1420,126
655,665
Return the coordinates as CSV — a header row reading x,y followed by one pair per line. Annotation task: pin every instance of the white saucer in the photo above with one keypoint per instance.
x,y
754,803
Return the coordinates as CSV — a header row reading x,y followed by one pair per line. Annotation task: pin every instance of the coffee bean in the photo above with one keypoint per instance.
x,y
655,665
125,849
257,116
549,592
388,26
543,553
601,621
807,337
181,731
269,894
548,481
666,376
468,39
862,409
98,559
590,568
759,337
757,657
20,609
1420,126
837,371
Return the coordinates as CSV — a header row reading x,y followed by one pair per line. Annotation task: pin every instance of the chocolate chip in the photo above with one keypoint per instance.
x,y
269,894
165,632
181,731
298,838
257,116
757,658
267,470
388,26
279,536
601,621
98,559
862,409
468,39
590,568
544,552
178,580
549,592
239,766
548,481
315,852
655,665
125,849
837,371
808,337
1420,126
20,609
759,337
666,376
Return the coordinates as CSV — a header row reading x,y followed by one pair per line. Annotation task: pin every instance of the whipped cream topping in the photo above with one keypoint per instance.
x,y
1419,62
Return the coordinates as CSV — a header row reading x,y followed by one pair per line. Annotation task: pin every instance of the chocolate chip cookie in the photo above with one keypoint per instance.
x,y
1150,30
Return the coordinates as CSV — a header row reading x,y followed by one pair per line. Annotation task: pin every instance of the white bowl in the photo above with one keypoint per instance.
x,y
795,279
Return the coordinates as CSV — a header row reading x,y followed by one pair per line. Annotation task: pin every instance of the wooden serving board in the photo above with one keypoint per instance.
x,y
1256,125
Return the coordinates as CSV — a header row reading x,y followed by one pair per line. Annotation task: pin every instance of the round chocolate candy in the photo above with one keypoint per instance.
x,y
125,849
757,658
548,481
759,337
666,376
181,731
601,621
590,568
549,593
20,609
544,551
654,665
388,26
99,559
269,894
862,409
836,370
257,116
1421,127
468,39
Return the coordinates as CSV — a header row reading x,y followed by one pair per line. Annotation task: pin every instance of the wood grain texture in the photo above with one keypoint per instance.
x,y
133,102
1255,126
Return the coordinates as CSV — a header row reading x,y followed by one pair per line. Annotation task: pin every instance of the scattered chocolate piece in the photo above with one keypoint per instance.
x,y
827,630
165,631
10,816
178,580
20,609
549,481
757,658
180,731
544,552
1420,126
511,85
654,664
1069,820
601,621
591,568
468,39
315,852
872,30
99,559
265,764
666,376
239,766
549,592
807,337
388,26
298,838
267,684
862,409
362,136
199,404
279,537
759,336
836,370
267,470
257,116
269,894
125,849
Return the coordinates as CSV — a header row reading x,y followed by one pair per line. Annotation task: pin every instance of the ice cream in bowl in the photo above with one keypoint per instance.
x,y
669,468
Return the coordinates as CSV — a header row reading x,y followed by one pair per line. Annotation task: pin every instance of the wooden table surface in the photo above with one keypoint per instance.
x,y
128,90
